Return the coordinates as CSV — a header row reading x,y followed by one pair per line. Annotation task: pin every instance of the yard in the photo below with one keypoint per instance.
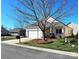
x,y
7,38
58,44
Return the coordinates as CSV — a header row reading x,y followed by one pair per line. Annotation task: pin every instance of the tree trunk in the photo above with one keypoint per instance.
x,y
44,35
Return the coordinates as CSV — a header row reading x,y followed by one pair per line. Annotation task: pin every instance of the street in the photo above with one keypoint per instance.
x,y
14,52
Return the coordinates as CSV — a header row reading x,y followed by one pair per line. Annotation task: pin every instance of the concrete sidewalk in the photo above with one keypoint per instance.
x,y
13,42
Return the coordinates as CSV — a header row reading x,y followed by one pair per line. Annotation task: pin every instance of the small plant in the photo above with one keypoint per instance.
x,y
73,41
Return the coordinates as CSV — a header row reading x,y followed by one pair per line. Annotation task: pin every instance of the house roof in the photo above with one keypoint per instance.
x,y
14,30
33,27
49,20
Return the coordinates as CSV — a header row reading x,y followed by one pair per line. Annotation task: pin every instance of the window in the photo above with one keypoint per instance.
x,y
58,31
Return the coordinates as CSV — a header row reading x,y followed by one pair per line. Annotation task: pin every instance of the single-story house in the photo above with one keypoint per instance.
x,y
14,31
59,29
17,31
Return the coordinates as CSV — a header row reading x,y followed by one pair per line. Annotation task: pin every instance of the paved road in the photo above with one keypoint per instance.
x,y
14,52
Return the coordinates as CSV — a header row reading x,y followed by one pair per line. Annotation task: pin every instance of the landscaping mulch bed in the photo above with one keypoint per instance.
x,y
41,41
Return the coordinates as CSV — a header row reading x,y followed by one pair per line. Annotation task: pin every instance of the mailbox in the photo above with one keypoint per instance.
x,y
17,37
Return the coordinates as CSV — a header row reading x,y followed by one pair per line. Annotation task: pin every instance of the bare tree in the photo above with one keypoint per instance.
x,y
43,9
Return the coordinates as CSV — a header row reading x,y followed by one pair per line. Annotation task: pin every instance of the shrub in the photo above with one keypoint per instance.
x,y
74,41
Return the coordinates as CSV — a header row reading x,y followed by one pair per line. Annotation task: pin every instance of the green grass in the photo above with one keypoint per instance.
x,y
7,38
58,44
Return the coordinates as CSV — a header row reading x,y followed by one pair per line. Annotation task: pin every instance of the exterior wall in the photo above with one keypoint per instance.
x,y
40,34
14,34
26,32
52,30
74,27
68,31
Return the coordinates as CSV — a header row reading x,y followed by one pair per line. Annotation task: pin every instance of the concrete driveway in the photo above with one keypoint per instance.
x,y
17,40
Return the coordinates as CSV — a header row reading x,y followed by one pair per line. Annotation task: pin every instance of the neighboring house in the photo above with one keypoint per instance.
x,y
59,29
14,31
74,27
17,31
4,31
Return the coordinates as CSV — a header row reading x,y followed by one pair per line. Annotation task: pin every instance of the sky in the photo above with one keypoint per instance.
x,y
7,10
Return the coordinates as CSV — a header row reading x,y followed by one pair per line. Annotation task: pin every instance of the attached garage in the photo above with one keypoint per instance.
x,y
34,33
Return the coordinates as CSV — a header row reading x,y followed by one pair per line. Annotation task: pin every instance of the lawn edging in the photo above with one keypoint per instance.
x,y
46,50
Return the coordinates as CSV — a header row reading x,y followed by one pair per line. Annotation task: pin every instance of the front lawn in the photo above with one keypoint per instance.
x,y
58,44
7,38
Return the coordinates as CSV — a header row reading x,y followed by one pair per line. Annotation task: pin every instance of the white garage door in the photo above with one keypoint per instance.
x,y
33,34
